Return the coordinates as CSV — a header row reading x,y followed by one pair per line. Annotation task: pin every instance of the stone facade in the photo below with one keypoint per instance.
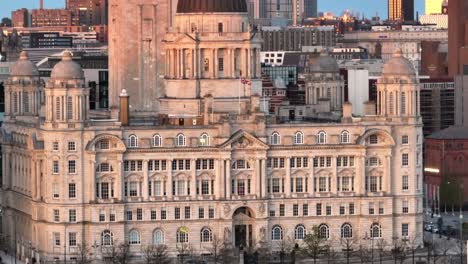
x,y
71,176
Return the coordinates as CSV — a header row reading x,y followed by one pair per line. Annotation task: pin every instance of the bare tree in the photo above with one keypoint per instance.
x,y
441,249
84,251
413,245
364,254
330,253
286,246
116,253
185,251
313,245
381,246
399,250
348,245
221,250
156,254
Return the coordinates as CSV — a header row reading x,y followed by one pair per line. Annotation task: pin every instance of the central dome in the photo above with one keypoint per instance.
x,y
398,65
211,6
67,68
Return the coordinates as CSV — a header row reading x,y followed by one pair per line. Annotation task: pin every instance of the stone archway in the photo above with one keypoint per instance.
x,y
243,226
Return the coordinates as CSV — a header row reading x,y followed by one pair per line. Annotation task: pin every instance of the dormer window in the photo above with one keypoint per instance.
x,y
322,137
157,141
275,139
204,140
132,141
180,140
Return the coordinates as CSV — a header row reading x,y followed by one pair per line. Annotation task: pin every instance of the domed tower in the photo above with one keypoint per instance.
x,y
209,49
323,82
23,90
398,90
66,96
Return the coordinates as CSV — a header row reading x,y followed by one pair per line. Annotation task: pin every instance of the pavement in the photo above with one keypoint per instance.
x,y
8,259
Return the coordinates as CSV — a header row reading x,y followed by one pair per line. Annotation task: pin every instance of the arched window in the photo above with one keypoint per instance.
x,y
375,231
182,235
205,235
57,108
134,238
15,102
204,140
299,232
323,231
158,237
276,233
346,231
298,138
403,103
322,137
180,140
344,138
157,141
25,102
275,138
132,141
107,238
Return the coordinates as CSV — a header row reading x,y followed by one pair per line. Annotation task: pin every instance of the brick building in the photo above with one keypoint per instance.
x,y
20,18
50,17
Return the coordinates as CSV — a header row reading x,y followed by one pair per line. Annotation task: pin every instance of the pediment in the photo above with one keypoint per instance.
x,y
184,39
244,140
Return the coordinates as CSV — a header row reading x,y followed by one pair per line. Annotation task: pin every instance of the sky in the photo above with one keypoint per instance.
x,y
368,7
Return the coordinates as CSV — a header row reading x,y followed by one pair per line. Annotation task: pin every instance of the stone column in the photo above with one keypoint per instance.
x,y
193,63
287,188
92,168
120,182
360,175
213,64
249,63
193,187
217,186
312,176
258,179
264,177
335,173
387,187
145,181
222,183
228,178
169,180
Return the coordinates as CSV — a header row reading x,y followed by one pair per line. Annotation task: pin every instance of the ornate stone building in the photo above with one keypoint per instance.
x,y
184,177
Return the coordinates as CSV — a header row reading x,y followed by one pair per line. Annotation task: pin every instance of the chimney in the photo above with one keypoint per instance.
x,y
347,110
41,4
294,12
124,108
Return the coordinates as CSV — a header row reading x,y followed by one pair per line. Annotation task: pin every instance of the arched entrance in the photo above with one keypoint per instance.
x,y
243,220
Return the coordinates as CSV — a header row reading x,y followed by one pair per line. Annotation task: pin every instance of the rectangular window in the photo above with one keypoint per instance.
x,y
329,211
205,187
153,214
72,239
272,212
381,208
55,146
351,208
299,186
71,190
69,108
211,213
404,230
404,159
129,215
102,216
276,185
139,214
72,166
220,64
405,183
220,27
55,191
281,209
112,216
404,140
71,146
56,215
373,183
177,213
55,167
163,214
322,184
295,209
187,212
201,213
371,208
342,210
72,215
405,208
56,238
305,209
318,209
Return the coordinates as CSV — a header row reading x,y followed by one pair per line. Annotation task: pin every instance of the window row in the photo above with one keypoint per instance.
x,y
298,138
71,167
72,190
179,141
163,214
71,146
322,231
318,210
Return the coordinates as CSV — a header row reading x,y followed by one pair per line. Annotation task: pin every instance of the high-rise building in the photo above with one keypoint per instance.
x,y
401,10
310,8
433,7
88,12
50,17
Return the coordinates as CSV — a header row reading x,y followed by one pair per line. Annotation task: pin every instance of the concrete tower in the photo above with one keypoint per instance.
x,y
136,55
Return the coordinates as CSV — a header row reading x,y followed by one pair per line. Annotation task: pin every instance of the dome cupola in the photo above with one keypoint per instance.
x,y
67,68
24,67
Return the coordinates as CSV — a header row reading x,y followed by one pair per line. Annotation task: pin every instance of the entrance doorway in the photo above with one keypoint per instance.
x,y
243,227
